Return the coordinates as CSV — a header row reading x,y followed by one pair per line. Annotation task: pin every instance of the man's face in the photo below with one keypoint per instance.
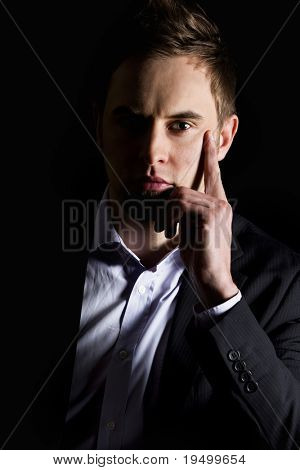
x,y
153,123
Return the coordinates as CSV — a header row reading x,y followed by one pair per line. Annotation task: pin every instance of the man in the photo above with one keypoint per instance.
x,y
190,322
189,328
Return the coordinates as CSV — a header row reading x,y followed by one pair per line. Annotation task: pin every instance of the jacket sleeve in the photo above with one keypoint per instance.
x,y
262,370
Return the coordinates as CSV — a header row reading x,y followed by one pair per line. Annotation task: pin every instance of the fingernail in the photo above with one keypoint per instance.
x,y
211,137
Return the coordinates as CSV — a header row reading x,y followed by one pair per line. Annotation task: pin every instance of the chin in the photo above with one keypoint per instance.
x,y
145,204
150,193
144,194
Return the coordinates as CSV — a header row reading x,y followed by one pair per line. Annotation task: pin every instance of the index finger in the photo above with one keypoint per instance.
x,y
212,173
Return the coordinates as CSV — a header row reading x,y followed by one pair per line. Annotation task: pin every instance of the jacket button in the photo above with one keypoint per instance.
x,y
239,366
111,425
245,375
233,355
123,354
251,386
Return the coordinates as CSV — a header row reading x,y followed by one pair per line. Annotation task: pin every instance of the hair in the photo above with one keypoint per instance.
x,y
166,28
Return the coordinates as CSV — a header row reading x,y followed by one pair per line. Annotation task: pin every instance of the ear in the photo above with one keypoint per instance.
x,y
226,135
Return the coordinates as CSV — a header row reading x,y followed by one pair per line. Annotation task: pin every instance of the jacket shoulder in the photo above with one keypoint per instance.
x,y
262,251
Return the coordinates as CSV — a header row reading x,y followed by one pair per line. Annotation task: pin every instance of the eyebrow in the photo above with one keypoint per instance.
x,y
180,115
186,115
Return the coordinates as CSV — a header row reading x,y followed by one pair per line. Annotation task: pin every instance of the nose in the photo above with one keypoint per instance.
x,y
155,146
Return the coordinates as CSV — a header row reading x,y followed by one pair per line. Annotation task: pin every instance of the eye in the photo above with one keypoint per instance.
x,y
132,123
182,126
128,120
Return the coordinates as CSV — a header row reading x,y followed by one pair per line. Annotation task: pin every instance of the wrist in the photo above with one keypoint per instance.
x,y
214,293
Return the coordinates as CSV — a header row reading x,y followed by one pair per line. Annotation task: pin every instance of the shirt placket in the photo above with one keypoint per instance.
x,y
119,372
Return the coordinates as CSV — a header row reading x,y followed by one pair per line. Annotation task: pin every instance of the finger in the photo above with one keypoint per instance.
x,y
190,195
212,174
190,229
176,213
198,179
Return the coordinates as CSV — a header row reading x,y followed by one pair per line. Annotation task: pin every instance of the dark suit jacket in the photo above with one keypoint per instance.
x,y
195,399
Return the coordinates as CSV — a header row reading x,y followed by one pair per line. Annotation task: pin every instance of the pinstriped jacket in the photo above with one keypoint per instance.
x,y
234,384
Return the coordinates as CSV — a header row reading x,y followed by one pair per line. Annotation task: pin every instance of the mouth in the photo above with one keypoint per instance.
x,y
155,186
150,183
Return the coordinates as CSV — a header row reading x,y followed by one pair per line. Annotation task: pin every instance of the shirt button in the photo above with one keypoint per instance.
x,y
123,354
142,289
111,425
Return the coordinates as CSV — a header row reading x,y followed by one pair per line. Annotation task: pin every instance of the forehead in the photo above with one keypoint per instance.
x,y
161,85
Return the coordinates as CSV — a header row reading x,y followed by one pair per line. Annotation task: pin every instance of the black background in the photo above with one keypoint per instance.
x,y
260,171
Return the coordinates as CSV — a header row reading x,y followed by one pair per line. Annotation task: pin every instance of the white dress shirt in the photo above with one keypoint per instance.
x,y
125,310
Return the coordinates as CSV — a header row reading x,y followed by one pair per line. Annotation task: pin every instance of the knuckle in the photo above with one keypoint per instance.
x,y
223,206
206,226
229,210
211,215
182,204
180,191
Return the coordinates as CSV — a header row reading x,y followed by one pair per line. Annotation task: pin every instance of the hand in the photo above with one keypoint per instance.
x,y
205,234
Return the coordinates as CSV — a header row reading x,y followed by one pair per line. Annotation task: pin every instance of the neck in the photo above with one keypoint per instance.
x,y
141,238
150,246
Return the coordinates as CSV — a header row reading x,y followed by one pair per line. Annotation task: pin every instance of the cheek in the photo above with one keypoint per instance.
x,y
186,162
187,155
116,149
117,143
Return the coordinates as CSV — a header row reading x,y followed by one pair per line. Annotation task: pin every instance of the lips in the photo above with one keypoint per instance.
x,y
152,183
155,186
153,179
